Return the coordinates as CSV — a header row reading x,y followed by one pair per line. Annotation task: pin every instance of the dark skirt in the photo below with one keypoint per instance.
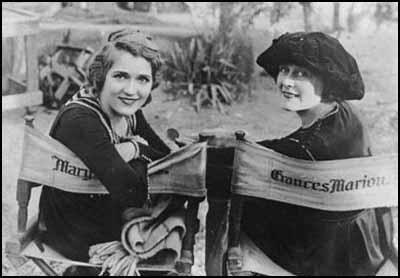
x,y
73,222
306,241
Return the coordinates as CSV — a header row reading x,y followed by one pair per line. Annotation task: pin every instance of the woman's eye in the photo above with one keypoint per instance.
x,y
119,76
143,79
301,73
283,69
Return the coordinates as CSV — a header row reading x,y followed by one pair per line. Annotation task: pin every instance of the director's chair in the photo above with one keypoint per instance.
x,y
255,175
180,173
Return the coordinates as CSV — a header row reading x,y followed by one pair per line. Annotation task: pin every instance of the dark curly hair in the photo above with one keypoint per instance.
x,y
323,55
132,41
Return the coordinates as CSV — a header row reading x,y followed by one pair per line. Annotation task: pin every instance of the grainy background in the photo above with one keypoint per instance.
x,y
376,52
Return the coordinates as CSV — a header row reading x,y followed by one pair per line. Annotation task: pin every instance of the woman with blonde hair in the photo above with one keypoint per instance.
x,y
103,124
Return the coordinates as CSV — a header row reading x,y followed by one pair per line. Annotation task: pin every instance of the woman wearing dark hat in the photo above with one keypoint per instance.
x,y
104,126
315,76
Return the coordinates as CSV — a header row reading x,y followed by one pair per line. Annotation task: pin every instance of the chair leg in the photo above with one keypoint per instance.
x,y
235,218
184,265
44,267
217,221
234,258
23,197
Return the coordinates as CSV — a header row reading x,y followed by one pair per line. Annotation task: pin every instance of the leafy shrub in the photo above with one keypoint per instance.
x,y
211,70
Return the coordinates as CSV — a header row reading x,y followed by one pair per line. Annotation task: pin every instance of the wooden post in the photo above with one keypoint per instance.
x,y
234,259
24,190
184,265
19,56
22,26
32,72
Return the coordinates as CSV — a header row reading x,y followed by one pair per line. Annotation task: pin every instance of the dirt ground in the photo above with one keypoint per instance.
x,y
258,114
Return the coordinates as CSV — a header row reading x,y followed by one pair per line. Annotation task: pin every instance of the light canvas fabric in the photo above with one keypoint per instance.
x,y
334,185
47,161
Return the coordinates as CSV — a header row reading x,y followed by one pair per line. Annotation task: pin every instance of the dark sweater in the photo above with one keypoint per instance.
x,y
75,221
307,241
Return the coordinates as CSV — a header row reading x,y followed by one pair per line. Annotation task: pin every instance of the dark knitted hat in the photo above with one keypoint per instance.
x,y
321,54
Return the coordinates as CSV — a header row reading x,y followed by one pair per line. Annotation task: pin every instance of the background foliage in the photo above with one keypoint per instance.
x,y
211,69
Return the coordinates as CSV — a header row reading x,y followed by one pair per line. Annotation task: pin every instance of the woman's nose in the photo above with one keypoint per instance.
x,y
287,81
132,88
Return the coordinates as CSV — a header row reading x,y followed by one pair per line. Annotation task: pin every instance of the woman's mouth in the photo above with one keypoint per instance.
x,y
289,95
128,101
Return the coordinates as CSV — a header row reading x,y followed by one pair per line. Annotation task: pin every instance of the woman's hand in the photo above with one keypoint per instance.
x,y
138,139
129,149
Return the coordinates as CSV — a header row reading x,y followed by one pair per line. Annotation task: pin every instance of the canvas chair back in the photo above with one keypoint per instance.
x,y
334,185
48,162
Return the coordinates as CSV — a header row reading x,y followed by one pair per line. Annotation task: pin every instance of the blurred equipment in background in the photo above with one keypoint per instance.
x,y
63,73
19,69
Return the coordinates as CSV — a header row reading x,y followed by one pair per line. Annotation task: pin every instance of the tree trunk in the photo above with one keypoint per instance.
x,y
336,16
307,15
275,14
351,19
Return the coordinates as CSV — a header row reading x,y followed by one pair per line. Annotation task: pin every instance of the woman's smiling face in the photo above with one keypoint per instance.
x,y
300,89
127,85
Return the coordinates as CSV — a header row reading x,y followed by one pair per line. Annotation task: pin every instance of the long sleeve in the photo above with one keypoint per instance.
x,y
146,131
338,136
157,148
82,132
287,147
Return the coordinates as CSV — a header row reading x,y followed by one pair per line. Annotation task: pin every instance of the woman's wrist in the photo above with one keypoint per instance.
x,y
141,150
135,145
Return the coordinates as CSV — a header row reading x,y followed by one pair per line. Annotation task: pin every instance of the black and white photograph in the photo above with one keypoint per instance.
x,y
199,138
